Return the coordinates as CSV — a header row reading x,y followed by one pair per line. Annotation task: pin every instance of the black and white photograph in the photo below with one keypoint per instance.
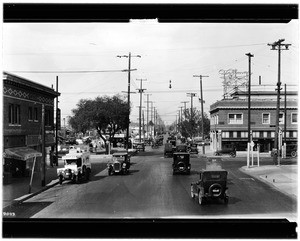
x,y
149,119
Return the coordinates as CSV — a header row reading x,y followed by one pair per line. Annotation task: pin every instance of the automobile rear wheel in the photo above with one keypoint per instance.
x,y
232,154
192,193
200,199
293,154
217,154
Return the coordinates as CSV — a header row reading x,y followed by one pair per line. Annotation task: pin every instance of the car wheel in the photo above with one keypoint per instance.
x,y
192,193
200,199
217,154
232,154
60,180
293,154
87,174
77,178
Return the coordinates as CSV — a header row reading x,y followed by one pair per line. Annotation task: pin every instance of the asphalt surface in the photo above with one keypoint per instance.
x,y
152,191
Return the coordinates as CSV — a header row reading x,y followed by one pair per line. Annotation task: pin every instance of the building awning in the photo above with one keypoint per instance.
x,y
21,153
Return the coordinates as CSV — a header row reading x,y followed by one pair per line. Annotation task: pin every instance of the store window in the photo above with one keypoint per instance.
x,y
266,118
235,118
35,114
294,118
14,115
30,114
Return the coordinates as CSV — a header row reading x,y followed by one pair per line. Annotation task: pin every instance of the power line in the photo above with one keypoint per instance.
x,y
65,72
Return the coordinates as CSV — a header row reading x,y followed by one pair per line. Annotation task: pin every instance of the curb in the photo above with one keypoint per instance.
x,y
258,177
30,195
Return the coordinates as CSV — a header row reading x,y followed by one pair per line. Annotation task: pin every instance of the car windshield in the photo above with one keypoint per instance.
x,y
74,162
213,176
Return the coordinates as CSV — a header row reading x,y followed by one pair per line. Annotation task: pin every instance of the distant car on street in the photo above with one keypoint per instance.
x,y
120,163
181,163
226,150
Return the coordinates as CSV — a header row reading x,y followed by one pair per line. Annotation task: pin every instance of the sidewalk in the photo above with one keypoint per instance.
x,y
18,189
284,178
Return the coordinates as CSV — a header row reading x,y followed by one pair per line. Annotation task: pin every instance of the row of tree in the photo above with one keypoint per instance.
x,y
191,124
108,115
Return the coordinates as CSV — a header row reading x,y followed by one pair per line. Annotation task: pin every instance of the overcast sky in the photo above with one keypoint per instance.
x,y
173,52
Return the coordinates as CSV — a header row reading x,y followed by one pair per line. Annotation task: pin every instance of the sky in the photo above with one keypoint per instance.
x,y
169,51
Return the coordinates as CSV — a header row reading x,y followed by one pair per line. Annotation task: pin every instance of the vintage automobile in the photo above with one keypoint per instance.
x,y
77,165
291,151
181,148
120,163
193,148
139,146
168,152
211,185
226,150
181,163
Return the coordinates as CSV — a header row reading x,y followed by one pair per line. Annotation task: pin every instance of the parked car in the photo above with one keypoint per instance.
x,y
120,163
168,152
77,165
226,150
181,163
291,151
212,184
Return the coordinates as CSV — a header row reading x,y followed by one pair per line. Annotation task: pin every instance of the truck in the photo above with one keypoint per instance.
x,y
77,166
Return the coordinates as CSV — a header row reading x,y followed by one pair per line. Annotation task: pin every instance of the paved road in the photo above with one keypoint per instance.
x,y
151,191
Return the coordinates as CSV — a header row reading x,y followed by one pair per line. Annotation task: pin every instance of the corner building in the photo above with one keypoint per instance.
x,y
24,104
229,120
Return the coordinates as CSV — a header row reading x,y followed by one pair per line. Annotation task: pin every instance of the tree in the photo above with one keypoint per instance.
x,y
107,115
191,126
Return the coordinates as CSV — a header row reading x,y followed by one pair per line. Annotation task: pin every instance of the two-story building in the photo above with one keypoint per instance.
x,y
229,120
24,104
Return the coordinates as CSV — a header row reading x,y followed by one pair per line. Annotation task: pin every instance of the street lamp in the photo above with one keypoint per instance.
x,y
128,98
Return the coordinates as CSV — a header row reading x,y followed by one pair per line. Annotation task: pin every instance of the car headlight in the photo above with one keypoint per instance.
x,y
124,165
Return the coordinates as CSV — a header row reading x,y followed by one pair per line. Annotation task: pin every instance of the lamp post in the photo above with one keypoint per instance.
x,y
128,96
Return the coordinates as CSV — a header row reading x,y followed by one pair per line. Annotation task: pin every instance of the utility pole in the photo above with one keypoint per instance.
x,y
43,164
56,125
141,90
202,110
154,120
143,125
249,97
277,46
184,102
191,120
128,96
148,115
284,113
151,115
181,112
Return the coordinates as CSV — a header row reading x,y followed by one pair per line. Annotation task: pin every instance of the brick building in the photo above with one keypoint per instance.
x,y
229,120
24,104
